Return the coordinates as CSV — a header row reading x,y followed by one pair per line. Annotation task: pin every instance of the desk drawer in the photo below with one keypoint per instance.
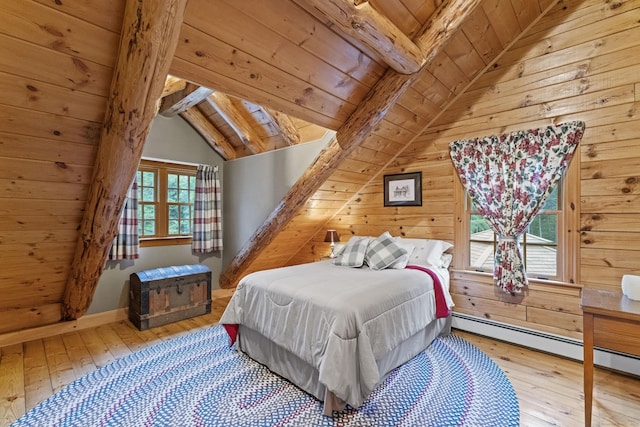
x,y
617,334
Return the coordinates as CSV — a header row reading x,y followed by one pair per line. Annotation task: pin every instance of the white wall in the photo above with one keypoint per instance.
x,y
255,185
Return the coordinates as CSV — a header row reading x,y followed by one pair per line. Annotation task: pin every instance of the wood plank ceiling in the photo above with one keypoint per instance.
x,y
337,65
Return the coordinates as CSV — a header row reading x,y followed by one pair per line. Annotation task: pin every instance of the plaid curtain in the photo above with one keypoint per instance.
x,y
127,243
509,177
207,215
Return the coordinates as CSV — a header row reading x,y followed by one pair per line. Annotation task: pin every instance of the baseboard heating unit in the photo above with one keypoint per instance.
x,y
549,343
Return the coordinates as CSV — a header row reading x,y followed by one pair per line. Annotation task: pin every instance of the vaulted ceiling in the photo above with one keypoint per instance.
x,y
234,127
378,72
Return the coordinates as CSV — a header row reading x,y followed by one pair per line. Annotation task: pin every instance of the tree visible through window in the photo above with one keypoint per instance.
x,y
166,193
539,244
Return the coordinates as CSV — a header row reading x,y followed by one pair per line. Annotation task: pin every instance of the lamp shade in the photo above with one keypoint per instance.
x,y
332,236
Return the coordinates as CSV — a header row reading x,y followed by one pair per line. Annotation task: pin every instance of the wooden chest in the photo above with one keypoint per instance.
x,y
168,294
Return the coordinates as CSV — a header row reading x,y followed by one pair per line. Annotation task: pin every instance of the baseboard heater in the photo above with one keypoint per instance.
x,y
549,343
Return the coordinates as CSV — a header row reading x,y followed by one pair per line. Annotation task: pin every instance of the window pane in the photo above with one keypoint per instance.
x,y
185,227
172,196
552,202
542,251
184,196
149,228
481,254
173,212
185,212
184,181
545,228
541,261
478,224
149,211
148,194
148,179
172,180
173,226
481,244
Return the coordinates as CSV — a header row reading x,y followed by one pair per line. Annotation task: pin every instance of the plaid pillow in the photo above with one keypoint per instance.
x,y
403,260
383,251
352,255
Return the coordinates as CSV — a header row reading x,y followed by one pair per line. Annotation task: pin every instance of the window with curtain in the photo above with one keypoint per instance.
x,y
166,197
541,243
509,179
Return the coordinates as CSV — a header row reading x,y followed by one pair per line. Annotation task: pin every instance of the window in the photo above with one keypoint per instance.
x,y
539,243
549,246
166,193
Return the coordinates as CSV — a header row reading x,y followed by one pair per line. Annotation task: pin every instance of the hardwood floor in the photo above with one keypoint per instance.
x,y
549,388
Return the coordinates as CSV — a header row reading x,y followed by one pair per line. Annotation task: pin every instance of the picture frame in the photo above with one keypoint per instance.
x,y
403,189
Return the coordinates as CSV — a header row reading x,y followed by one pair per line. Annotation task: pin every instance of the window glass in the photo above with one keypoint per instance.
x,y
539,244
166,194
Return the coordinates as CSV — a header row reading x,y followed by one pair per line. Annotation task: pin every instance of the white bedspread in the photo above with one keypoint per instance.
x,y
337,319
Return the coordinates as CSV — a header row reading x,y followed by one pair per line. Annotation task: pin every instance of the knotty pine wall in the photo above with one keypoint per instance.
x,y
56,62
580,62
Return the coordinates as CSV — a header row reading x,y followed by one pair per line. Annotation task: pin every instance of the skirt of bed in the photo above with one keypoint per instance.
x,y
306,376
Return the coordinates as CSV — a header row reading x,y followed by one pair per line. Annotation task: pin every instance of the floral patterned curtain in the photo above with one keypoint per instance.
x,y
207,216
509,177
127,242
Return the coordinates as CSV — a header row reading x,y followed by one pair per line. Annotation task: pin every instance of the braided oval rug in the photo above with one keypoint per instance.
x,y
198,380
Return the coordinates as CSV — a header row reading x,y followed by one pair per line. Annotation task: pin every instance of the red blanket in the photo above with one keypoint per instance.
x,y
442,310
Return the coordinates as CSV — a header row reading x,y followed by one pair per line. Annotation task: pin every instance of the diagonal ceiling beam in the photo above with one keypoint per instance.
x,y
150,32
285,125
370,112
375,30
181,101
209,133
234,117
173,85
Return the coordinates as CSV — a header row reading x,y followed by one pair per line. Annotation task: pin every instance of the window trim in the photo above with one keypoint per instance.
x,y
568,226
163,168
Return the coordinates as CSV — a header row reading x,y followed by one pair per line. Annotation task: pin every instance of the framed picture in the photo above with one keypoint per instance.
x,y
403,189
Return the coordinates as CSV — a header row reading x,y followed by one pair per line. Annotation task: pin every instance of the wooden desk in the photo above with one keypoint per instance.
x,y
612,321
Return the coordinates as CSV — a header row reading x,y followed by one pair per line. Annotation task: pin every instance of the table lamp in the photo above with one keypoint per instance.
x,y
333,237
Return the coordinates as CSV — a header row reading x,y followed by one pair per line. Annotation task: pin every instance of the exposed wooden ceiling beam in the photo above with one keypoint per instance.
x,y
375,30
173,85
380,99
209,133
150,32
234,117
285,125
180,101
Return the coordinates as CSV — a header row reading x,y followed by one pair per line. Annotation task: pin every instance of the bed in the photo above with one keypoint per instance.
x,y
336,328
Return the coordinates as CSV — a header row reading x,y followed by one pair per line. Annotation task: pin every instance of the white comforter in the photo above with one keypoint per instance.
x,y
337,319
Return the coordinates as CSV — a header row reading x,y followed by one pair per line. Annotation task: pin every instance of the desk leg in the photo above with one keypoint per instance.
x,y
587,333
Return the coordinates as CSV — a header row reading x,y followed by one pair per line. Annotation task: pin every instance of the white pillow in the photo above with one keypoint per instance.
x,y
429,253
383,251
353,253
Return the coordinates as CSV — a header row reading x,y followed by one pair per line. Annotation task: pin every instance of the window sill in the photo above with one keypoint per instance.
x,y
532,280
164,241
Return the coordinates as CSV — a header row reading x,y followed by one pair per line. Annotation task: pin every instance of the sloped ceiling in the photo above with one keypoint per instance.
x,y
340,65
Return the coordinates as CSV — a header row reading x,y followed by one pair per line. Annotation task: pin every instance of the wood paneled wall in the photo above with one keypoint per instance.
x,y
580,62
351,199
56,63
